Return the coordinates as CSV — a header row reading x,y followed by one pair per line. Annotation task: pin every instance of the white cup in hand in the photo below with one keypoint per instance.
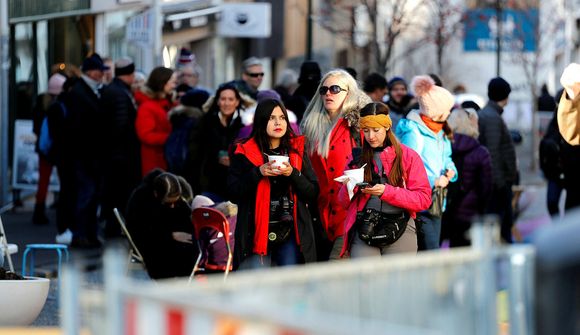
x,y
278,161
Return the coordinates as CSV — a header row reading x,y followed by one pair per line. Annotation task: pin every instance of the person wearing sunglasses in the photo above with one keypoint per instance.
x,y
329,124
252,77
159,220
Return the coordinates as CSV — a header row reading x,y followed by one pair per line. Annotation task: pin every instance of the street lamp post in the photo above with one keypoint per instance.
x,y
309,31
4,67
498,35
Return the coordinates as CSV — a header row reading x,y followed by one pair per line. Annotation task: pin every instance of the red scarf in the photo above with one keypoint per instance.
x,y
435,127
253,153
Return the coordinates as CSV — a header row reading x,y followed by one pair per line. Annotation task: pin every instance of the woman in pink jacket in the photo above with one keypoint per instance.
x,y
152,124
380,215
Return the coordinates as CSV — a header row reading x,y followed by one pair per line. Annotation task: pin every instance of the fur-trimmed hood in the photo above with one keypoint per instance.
x,y
353,116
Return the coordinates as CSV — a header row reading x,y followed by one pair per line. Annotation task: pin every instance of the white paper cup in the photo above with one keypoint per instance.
x,y
278,161
356,175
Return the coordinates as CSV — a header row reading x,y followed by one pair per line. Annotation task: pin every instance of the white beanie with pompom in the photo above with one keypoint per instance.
x,y
435,102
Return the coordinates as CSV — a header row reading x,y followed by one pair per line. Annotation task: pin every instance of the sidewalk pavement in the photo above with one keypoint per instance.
x,y
21,231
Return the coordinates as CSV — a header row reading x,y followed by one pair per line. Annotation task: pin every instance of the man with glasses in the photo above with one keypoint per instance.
x,y
252,76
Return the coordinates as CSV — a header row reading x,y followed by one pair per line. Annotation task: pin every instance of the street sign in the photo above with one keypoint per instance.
x,y
518,30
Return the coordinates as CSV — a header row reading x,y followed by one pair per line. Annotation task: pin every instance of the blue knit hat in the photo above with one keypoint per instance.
x,y
396,80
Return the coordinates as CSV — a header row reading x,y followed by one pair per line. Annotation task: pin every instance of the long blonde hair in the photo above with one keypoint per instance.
x,y
317,124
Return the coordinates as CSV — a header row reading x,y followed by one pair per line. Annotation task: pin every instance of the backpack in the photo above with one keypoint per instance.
x,y
46,143
45,140
177,147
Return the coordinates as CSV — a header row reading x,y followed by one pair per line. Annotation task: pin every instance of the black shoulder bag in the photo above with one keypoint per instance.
x,y
379,229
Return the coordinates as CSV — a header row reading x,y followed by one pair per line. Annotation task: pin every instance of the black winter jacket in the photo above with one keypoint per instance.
x,y
494,135
242,184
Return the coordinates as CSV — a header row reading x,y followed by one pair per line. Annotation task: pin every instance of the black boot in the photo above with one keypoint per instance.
x,y
39,215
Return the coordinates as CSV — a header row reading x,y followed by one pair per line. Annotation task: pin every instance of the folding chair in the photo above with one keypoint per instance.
x,y
209,218
134,254
9,248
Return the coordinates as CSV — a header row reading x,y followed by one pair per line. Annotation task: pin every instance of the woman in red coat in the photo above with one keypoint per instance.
x,y
152,124
329,126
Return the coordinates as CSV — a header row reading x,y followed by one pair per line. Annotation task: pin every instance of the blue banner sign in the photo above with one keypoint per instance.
x,y
518,30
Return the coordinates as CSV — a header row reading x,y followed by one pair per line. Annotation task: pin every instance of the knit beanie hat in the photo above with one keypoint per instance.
x,y
309,72
124,66
55,83
435,102
195,98
185,57
498,89
268,94
396,80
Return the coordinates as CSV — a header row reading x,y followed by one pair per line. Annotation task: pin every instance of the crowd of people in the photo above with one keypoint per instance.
x,y
146,147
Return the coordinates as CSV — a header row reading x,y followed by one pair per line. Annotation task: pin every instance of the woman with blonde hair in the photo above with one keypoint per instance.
x,y
468,196
329,124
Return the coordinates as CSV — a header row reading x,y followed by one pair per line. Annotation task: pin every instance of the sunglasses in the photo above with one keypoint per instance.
x,y
255,75
334,89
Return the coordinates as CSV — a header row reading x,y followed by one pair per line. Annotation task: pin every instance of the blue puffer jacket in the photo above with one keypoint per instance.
x,y
434,149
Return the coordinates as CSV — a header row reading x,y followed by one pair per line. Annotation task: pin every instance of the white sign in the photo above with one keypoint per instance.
x,y
25,164
252,20
140,29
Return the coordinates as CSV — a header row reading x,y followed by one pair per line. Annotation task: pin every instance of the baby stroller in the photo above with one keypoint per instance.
x,y
214,234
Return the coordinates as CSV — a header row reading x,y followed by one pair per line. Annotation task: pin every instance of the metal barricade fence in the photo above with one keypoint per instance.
x,y
442,292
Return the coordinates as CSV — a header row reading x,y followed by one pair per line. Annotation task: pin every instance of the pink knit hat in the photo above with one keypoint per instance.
x,y
435,102
55,83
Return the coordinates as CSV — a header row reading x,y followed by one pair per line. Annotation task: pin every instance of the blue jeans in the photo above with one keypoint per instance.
x,y
428,231
553,197
287,253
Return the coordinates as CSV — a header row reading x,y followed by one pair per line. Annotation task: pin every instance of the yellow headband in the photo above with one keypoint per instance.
x,y
376,121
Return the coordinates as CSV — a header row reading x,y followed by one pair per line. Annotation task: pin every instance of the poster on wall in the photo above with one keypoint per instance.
x,y
25,163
